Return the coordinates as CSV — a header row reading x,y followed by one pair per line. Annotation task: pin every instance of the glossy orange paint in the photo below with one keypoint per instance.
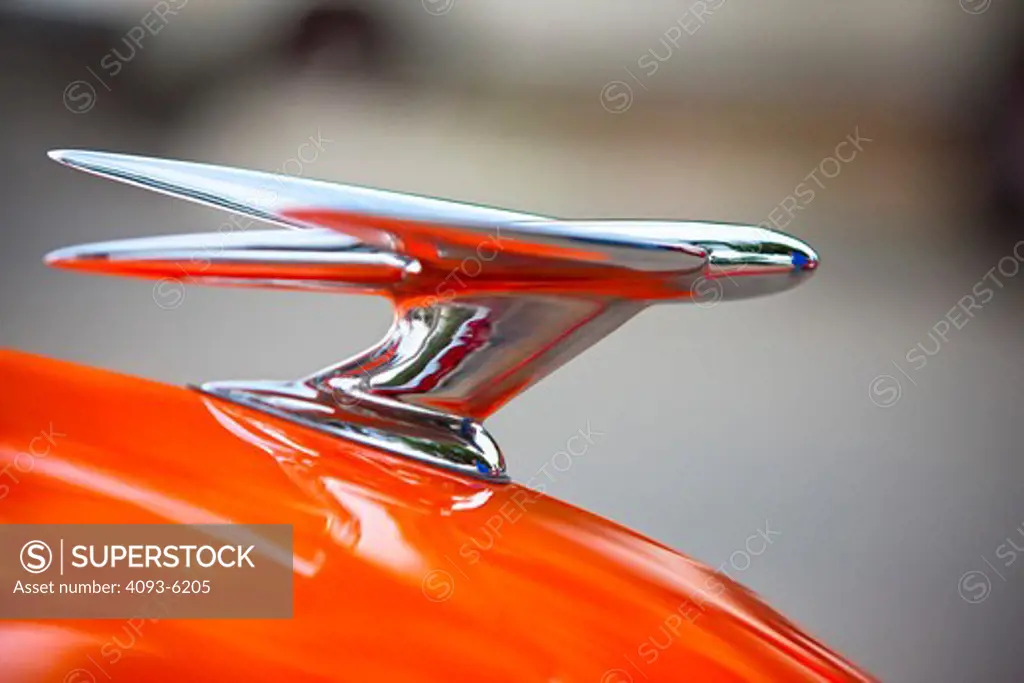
x,y
402,572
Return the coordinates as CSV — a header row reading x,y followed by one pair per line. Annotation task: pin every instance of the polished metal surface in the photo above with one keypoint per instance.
x,y
488,301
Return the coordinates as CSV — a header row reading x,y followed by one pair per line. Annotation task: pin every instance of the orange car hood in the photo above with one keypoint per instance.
x,y
402,572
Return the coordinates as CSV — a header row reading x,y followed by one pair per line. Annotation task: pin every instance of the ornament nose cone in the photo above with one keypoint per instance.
x,y
805,259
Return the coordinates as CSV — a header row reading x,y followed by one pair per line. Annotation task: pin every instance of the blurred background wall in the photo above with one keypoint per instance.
x,y
895,486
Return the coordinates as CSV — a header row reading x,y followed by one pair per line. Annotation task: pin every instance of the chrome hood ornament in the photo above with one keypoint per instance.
x,y
488,301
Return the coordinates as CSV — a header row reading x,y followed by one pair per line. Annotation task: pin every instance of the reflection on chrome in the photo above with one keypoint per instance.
x,y
488,301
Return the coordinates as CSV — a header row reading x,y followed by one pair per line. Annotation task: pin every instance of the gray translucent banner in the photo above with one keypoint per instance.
x,y
151,571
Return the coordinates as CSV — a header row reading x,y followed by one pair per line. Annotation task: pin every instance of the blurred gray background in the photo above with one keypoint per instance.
x,y
896,487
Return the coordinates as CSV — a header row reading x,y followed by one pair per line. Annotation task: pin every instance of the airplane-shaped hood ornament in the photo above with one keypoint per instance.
x,y
488,301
